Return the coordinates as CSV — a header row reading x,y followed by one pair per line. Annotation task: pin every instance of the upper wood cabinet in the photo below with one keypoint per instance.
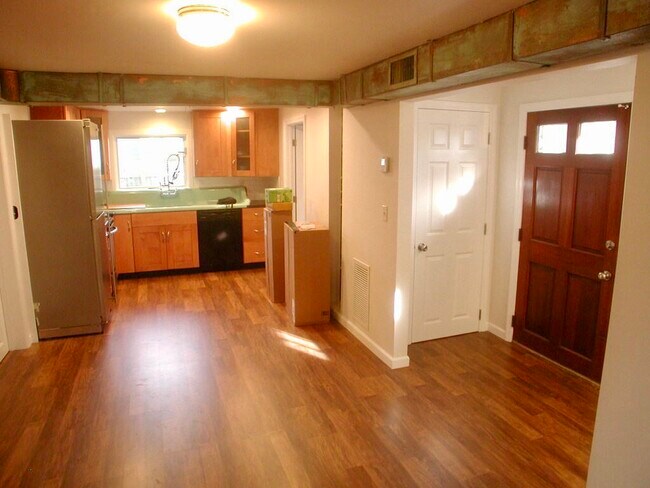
x,y
211,143
247,146
54,112
123,245
267,142
100,118
243,144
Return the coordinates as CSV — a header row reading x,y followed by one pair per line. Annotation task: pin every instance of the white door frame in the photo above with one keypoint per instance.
x,y
406,218
17,298
524,110
289,169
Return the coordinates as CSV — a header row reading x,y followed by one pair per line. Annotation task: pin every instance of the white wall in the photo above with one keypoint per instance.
x,y
370,133
619,455
130,123
317,156
15,285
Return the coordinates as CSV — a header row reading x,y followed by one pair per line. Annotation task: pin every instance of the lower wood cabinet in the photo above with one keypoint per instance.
x,y
123,242
253,235
165,240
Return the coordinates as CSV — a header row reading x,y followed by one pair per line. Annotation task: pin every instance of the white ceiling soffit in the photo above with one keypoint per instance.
x,y
292,39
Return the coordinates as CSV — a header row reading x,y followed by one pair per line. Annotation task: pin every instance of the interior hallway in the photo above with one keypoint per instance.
x,y
200,381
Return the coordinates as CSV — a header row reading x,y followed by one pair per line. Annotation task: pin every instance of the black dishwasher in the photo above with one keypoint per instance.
x,y
220,239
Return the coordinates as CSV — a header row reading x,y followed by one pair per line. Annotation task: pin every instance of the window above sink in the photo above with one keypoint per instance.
x,y
149,161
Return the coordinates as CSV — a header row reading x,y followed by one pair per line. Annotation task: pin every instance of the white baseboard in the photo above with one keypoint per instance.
x,y
387,359
500,332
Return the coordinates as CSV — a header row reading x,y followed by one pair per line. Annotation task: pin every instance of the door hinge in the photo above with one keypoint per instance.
x,y
293,142
520,235
489,137
525,143
484,229
480,314
514,321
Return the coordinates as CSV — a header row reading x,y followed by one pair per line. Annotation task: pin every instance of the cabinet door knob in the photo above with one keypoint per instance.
x,y
169,235
162,235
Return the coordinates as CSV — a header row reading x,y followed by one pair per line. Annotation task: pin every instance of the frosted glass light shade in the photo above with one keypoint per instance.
x,y
205,25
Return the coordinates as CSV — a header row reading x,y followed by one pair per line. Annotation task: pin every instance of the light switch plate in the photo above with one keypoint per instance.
x,y
384,164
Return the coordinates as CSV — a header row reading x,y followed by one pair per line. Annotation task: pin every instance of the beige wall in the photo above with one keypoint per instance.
x,y
15,285
621,443
316,158
369,133
130,123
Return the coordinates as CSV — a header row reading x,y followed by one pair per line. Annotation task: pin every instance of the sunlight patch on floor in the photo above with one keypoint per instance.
x,y
301,344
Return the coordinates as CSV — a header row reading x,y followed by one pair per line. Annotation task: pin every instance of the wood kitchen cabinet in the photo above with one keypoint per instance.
x,y
123,241
211,143
253,235
54,112
242,131
165,240
267,142
246,146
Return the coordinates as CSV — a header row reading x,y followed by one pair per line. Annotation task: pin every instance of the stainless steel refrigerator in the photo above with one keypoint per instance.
x,y
68,230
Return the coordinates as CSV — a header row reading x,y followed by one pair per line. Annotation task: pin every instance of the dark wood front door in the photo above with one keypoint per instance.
x,y
573,190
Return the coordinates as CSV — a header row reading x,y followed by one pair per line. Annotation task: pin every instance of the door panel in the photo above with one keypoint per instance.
x,y
546,219
450,201
150,251
182,246
590,215
572,206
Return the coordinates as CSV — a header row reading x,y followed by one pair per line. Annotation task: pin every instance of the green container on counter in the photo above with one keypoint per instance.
x,y
278,195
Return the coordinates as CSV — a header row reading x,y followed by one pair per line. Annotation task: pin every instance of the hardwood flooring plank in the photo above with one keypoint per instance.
x,y
201,381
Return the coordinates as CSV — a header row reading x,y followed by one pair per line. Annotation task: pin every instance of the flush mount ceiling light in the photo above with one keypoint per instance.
x,y
205,25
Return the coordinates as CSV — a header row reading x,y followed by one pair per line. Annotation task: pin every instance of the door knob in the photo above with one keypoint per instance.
x,y
610,245
422,247
604,276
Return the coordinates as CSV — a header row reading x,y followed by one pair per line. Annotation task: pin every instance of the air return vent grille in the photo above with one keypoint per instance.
x,y
361,294
402,70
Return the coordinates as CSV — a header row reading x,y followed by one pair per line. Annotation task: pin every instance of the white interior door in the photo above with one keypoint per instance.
x,y
452,156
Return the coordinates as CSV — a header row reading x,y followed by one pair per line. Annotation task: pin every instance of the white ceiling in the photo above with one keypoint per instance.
x,y
294,39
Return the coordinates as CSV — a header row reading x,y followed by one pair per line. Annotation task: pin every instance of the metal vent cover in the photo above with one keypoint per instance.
x,y
361,294
402,70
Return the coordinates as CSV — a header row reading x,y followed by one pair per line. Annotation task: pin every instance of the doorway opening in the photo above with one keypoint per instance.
x,y
295,144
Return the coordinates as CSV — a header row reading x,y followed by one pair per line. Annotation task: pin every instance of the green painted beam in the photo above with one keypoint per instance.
x,y
550,31
628,21
118,89
480,52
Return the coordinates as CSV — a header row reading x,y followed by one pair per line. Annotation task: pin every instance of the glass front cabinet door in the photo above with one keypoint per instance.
x,y
243,146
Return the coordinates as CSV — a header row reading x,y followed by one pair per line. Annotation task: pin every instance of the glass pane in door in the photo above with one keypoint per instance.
x,y
243,141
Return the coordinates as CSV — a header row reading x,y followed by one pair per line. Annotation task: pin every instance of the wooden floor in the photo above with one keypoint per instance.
x,y
199,381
